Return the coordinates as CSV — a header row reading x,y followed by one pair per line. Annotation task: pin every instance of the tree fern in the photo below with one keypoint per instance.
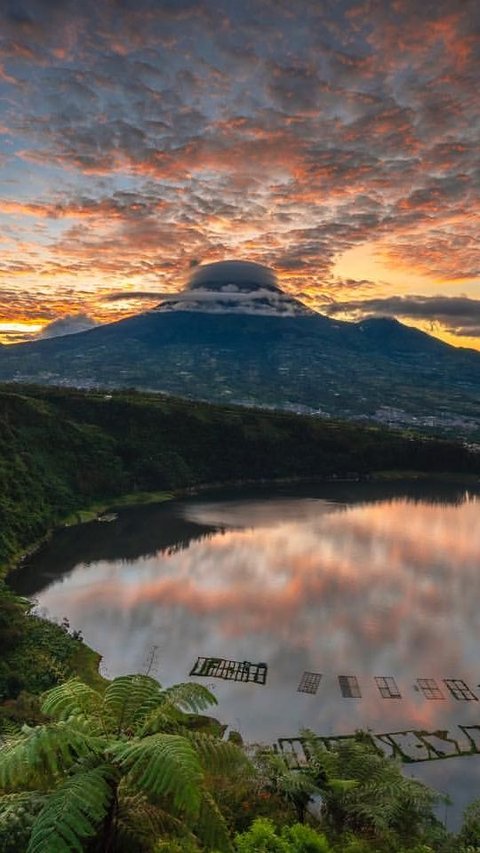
x,y
72,699
162,765
163,718
73,812
123,769
211,827
140,823
217,756
41,753
129,698
191,697
372,796
8,729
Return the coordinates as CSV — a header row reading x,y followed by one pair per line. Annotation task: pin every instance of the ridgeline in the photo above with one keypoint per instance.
x,y
64,450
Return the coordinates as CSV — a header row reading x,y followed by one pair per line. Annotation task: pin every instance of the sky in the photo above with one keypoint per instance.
x,y
336,141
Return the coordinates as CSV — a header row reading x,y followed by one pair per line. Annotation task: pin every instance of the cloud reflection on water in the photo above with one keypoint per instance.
x,y
388,588
383,588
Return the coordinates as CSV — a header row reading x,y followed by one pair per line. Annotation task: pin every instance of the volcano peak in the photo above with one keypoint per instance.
x,y
234,287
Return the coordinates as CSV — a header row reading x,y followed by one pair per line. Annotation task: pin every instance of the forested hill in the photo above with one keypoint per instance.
x,y
61,450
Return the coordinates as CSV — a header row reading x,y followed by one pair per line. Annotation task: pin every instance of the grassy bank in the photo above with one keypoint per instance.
x,y
96,510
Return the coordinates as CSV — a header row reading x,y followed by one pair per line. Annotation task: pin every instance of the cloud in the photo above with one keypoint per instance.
x,y
69,325
136,296
141,135
458,314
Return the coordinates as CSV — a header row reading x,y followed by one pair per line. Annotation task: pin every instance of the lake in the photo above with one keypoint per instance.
x,y
353,579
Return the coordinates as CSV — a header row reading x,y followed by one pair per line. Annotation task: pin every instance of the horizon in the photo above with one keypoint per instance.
x,y
335,144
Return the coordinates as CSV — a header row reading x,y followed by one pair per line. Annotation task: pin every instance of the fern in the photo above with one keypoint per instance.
x,y
190,697
8,729
124,767
73,812
211,827
73,698
129,698
218,756
140,823
161,765
42,753
164,718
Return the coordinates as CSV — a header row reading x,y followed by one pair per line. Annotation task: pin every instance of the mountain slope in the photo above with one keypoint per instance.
x,y
344,369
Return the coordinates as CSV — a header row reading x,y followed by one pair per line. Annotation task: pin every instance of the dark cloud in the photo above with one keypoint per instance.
x,y
458,314
136,296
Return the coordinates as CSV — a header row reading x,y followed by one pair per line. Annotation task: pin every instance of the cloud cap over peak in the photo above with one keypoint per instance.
x,y
234,287
239,275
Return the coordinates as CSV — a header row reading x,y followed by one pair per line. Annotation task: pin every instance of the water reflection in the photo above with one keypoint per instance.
x,y
332,586
141,531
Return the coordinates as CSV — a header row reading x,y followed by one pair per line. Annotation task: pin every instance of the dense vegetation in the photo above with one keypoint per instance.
x,y
62,450
134,767
35,655
120,767
127,765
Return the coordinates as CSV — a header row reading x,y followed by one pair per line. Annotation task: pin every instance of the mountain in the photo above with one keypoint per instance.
x,y
234,336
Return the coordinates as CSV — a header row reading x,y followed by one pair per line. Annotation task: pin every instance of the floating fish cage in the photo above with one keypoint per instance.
x,y
230,670
309,682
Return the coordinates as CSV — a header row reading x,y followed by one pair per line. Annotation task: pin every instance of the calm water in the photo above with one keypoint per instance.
x,y
353,579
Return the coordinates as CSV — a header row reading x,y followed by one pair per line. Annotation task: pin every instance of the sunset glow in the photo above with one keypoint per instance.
x,y
336,143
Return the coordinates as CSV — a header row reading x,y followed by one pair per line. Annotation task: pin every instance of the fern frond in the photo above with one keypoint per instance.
x,y
129,698
210,826
217,756
161,765
162,719
73,698
190,697
140,823
72,813
8,729
41,753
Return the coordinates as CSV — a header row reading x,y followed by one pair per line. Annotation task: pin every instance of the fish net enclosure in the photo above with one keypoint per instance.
x,y
230,670
309,682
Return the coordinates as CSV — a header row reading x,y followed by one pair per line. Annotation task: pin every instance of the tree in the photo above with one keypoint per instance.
x,y
115,772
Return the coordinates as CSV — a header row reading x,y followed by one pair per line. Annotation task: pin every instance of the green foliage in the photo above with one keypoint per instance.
x,y
366,794
162,764
64,450
469,836
303,839
36,654
72,812
260,838
294,787
101,774
17,815
263,837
